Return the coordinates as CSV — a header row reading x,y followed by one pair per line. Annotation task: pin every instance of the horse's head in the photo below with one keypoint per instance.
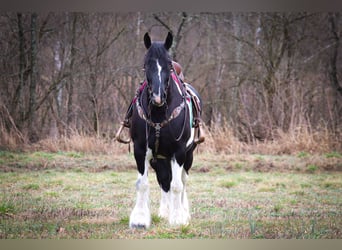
x,y
158,67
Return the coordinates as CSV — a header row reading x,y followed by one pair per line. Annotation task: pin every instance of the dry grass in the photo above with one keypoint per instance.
x,y
222,139
9,139
80,143
300,139
219,139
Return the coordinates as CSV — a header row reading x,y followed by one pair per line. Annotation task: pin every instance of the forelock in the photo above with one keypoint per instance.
x,y
157,51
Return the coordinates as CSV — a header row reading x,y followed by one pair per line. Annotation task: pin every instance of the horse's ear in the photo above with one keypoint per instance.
x,y
168,41
147,40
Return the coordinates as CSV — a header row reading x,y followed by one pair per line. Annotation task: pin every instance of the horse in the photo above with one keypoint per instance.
x,y
163,137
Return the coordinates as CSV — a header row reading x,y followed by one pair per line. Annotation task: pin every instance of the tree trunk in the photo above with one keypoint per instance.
x,y
333,72
237,30
19,102
70,85
33,76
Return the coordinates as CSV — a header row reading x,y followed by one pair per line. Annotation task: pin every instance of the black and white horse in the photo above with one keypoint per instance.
x,y
163,137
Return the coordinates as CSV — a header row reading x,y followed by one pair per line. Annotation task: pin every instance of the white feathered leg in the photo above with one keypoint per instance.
x,y
185,200
164,204
141,216
178,214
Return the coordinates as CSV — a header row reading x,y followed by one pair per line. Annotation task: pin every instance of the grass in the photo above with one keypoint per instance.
x,y
312,168
71,195
333,155
228,184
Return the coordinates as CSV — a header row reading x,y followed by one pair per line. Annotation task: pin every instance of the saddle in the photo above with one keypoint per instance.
x,y
176,66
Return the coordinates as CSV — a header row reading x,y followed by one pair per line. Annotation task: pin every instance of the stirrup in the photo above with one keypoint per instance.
x,y
118,134
199,134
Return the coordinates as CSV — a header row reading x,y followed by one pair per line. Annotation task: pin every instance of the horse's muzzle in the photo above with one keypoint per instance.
x,y
157,100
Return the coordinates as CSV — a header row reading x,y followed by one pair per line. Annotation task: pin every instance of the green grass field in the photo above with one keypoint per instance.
x,y
76,195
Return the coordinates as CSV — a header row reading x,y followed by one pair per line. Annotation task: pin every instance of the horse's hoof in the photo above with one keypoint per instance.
x,y
138,226
179,219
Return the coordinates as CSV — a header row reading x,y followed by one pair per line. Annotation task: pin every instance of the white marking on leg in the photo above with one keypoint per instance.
x,y
178,214
140,216
185,200
164,204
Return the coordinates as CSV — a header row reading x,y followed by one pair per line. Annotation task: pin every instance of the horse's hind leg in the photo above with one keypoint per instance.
x,y
185,200
140,216
186,168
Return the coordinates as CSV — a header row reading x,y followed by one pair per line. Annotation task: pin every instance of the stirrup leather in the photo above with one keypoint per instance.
x,y
199,133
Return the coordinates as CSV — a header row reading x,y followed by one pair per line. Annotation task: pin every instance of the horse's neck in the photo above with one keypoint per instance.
x,y
176,91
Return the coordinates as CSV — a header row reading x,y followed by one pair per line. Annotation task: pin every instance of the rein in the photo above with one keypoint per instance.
x,y
159,125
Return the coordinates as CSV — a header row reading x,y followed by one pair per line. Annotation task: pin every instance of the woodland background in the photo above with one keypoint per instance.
x,y
264,77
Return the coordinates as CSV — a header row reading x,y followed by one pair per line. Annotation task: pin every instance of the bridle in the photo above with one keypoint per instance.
x,y
149,86
159,125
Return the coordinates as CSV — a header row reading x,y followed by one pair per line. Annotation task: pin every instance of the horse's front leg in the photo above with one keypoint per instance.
x,y
179,207
164,204
141,216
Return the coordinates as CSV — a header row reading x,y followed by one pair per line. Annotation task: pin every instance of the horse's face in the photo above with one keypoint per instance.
x,y
158,66
157,76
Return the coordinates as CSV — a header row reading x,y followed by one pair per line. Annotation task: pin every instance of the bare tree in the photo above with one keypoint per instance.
x,y
33,79
71,82
334,20
18,99
177,31
258,72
